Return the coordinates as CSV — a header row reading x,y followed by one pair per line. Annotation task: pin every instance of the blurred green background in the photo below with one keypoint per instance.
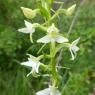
x,y
79,80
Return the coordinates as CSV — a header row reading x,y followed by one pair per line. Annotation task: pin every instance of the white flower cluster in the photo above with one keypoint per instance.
x,y
52,35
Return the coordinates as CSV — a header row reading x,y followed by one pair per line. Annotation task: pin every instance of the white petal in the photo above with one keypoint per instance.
x,y
29,26
56,92
28,63
36,68
61,39
76,41
75,48
31,30
45,39
32,58
24,30
44,92
35,65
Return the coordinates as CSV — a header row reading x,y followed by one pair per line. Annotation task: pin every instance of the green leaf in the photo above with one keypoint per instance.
x,y
44,7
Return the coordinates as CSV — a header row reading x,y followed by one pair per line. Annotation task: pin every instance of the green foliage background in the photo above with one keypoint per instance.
x,y
79,80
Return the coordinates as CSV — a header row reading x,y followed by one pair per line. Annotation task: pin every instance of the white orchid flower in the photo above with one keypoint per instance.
x,y
33,63
49,91
28,29
52,36
74,48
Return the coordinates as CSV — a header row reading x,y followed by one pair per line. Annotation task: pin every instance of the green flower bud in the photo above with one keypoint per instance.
x,y
70,10
29,13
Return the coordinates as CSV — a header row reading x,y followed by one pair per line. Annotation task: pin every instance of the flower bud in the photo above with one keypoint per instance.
x,y
29,13
70,10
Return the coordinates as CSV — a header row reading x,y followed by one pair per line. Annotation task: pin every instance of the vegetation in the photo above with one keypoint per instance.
x,y
80,78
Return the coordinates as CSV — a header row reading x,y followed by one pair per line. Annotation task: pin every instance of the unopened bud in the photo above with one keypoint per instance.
x,y
70,10
29,13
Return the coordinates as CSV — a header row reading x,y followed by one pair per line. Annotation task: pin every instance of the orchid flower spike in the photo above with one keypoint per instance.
x,y
33,63
49,91
52,36
74,48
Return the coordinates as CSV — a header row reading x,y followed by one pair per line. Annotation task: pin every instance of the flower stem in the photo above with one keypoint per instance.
x,y
55,75
59,11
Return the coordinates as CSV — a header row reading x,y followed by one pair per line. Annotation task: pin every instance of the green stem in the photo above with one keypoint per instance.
x,y
39,26
45,67
59,2
41,48
59,11
55,75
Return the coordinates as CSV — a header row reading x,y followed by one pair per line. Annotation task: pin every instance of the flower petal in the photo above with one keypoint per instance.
x,y
24,30
45,39
61,39
76,41
75,48
28,63
44,92
29,26
55,91
36,68
31,57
